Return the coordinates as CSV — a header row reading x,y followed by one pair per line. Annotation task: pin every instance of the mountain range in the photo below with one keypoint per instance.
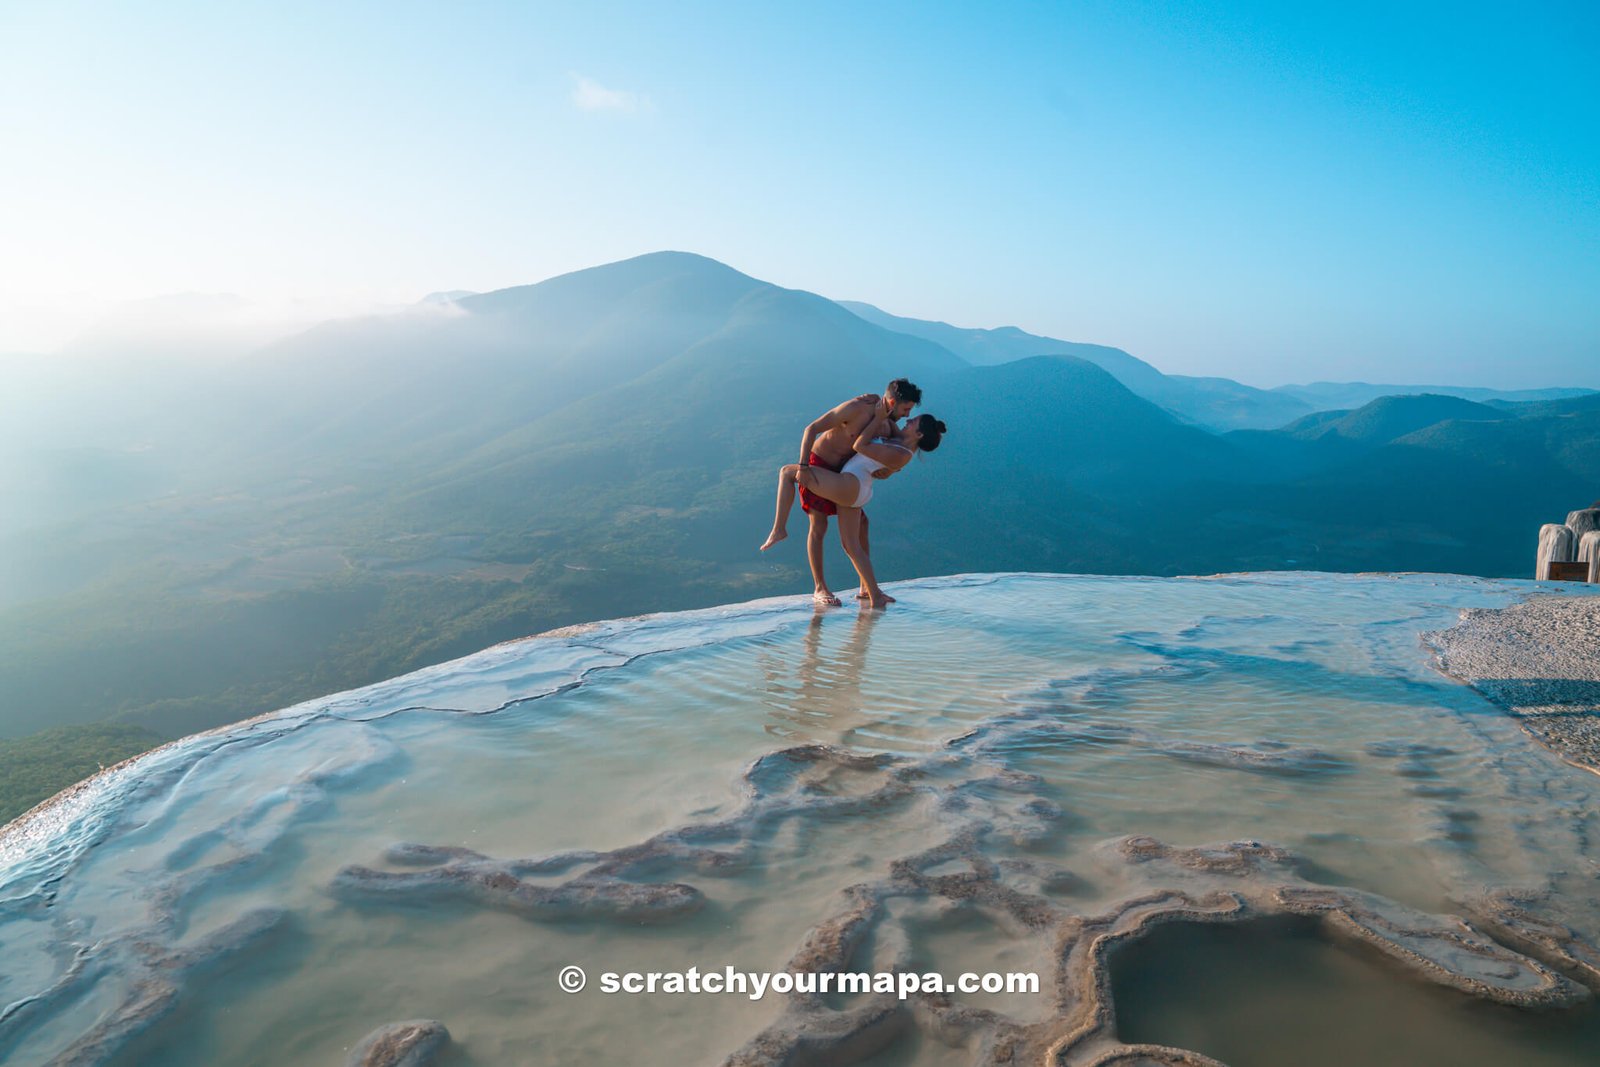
x,y
1214,403
201,541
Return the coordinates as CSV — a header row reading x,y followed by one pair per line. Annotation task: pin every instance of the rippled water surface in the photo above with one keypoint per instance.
x,y
1297,710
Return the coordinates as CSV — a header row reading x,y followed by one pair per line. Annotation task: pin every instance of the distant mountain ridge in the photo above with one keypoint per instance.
x,y
1349,395
1216,403
1386,418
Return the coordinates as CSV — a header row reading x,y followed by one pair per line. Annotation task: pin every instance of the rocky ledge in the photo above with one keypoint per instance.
x,y
1540,660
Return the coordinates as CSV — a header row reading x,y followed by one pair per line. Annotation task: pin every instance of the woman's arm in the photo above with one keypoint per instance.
x,y
875,427
893,457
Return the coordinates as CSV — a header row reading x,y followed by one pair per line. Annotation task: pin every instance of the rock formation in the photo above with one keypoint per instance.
x,y
1556,545
412,1043
1582,521
1589,552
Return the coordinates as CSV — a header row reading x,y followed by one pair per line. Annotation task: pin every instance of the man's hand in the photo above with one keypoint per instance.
x,y
882,473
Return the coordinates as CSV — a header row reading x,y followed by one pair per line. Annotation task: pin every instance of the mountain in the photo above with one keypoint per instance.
x,y
1390,417
1215,403
1223,404
1461,491
1073,420
737,386
1575,405
1326,439
420,387
1348,395
983,347
1432,483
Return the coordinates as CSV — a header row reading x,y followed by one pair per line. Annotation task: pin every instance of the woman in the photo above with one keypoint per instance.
x,y
851,486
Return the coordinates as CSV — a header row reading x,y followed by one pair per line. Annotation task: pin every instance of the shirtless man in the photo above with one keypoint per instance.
x,y
829,442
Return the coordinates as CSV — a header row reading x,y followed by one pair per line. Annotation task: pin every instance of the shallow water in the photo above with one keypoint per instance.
x,y
1274,993
1297,710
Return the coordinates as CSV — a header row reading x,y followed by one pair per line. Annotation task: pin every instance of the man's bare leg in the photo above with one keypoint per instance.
x,y
814,540
780,521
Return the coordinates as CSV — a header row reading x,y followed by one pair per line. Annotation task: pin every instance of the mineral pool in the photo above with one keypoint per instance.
x,y
1236,819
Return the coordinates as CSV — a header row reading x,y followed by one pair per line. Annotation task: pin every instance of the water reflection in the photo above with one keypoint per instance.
x,y
821,698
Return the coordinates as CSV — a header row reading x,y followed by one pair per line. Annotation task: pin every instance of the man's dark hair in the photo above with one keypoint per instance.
x,y
902,389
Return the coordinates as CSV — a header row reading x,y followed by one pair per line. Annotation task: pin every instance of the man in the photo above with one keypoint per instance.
x,y
829,442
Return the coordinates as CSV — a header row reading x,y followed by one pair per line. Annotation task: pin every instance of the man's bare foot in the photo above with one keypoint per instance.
x,y
879,600
773,538
864,595
825,597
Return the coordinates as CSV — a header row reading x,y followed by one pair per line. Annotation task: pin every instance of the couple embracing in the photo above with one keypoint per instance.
x,y
842,454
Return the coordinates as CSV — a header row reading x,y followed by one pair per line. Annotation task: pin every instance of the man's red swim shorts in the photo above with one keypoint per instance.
x,y
810,501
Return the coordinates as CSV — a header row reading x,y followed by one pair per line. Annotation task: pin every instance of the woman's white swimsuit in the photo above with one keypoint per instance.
x,y
862,466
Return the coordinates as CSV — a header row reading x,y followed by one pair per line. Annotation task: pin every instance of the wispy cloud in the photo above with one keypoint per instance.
x,y
590,95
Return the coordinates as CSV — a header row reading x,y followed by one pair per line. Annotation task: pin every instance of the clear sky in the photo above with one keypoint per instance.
x,y
1275,192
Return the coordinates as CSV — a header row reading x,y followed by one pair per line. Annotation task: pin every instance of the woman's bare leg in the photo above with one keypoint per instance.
x,y
787,479
850,534
866,546
842,489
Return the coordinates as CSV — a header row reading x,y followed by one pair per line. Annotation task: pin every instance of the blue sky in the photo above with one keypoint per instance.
x,y
1270,192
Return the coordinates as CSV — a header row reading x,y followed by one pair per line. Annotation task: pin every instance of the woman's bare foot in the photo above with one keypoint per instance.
x,y
879,599
825,597
864,595
773,538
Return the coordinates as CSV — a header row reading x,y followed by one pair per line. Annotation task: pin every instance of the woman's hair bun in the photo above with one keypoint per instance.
x,y
939,423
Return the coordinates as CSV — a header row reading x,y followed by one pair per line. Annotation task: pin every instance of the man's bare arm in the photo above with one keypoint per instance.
x,y
819,426
843,415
